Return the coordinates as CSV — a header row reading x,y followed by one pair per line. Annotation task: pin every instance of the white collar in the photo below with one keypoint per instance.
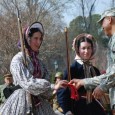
x,y
79,61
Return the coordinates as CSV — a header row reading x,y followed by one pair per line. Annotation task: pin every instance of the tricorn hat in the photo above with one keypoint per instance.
x,y
8,76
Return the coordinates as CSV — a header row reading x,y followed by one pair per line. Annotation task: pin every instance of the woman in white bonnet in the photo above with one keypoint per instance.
x,y
32,78
85,48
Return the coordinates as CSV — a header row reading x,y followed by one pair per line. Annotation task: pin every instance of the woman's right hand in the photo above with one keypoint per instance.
x,y
61,84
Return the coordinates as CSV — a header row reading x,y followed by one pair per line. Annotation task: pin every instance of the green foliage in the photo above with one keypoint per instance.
x,y
52,77
1,80
89,25
77,26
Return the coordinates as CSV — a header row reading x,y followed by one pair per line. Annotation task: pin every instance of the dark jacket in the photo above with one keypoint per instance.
x,y
77,107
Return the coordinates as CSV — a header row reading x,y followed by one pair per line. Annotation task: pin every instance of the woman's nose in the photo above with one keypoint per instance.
x,y
86,50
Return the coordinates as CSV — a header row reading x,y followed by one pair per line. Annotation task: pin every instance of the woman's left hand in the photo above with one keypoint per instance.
x,y
61,84
98,93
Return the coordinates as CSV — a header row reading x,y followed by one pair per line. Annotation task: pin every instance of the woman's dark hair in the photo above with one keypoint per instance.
x,y
32,31
84,39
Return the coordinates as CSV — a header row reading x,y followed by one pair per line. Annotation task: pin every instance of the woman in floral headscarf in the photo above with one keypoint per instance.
x,y
31,78
85,47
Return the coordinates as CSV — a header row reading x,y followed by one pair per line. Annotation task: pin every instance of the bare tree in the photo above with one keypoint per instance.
x,y
49,12
87,9
112,3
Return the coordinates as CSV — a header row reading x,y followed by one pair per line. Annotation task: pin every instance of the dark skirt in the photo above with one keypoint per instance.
x,y
80,107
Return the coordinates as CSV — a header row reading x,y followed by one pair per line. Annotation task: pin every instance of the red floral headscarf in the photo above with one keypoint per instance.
x,y
34,55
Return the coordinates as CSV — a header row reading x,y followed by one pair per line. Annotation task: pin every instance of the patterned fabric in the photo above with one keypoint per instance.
x,y
89,72
106,81
19,102
35,61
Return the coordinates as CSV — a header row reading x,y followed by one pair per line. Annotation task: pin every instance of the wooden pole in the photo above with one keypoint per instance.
x,y
67,53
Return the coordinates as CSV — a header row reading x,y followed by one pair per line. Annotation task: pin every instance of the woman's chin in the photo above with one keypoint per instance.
x,y
35,50
86,59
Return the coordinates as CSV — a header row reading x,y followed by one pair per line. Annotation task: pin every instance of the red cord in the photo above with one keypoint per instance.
x,y
74,93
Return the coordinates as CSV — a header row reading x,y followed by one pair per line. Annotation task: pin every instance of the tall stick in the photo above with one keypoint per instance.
x,y
68,63
21,38
67,54
31,111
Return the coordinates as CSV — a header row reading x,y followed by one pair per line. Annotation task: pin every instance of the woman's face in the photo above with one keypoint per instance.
x,y
85,50
35,41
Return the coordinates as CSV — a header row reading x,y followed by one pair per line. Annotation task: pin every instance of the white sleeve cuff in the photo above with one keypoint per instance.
x,y
68,113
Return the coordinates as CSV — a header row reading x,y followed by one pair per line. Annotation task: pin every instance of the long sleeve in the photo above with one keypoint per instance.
x,y
109,81
92,82
26,80
104,81
63,97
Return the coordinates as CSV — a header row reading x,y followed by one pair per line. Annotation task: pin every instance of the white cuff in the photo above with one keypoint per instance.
x,y
68,113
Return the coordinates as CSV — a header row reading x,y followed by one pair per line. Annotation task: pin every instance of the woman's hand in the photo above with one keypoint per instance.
x,y
77,82
61,84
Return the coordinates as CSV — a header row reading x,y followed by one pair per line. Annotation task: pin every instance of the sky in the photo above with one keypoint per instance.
x,y
72,12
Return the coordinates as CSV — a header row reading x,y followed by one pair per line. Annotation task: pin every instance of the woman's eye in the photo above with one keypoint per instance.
x,y
36,38
84,48
89,48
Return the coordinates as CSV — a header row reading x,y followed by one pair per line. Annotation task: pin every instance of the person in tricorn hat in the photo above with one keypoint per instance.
x,y
4,93
104,82
58,110
58,77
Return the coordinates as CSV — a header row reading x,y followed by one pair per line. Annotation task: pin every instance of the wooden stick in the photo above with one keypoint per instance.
x,y
67,54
